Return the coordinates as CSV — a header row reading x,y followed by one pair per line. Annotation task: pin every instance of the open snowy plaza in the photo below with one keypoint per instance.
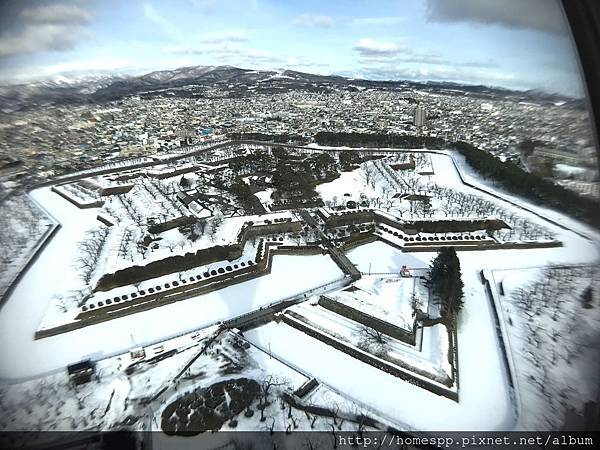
x,y
254,286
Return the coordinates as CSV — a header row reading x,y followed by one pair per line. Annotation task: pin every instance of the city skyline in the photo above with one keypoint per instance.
x,y
527,46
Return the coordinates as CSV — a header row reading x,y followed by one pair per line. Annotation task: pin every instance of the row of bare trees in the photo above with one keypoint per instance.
x,y
551,332
21,225
441,201
128,244
81,192
89,251
131,210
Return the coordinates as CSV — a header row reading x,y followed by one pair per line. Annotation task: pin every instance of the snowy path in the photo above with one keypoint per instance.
x,y
24,357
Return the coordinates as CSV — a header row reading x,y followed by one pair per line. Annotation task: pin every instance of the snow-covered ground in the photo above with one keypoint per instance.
x,y
483,379
484,396
482,375
387,298
148,202
23,228
430,360
54,403
53,274
348,186
79,194
403,404
378,257
432,190
575,172
475,179
554,337
265,197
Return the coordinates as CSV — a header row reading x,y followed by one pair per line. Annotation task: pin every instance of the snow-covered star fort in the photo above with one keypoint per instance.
x,y
302,275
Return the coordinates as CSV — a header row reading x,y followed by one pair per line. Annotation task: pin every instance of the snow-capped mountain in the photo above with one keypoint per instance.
x,y
234,81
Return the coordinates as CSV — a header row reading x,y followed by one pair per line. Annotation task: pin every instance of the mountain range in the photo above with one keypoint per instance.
x,y
207,81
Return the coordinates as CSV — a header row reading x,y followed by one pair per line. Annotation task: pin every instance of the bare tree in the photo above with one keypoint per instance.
x,y
90,249
373,341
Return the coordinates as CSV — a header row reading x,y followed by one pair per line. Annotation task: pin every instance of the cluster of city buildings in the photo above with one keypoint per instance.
x,y
53,139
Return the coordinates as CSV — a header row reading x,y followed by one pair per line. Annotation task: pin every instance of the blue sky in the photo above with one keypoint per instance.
x,y
520,44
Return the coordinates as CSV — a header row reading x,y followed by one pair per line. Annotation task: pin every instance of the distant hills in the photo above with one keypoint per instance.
x,y
206,81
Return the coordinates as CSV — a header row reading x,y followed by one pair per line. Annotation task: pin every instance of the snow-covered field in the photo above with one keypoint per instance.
x,y
34,357
140,395
554,338
485,400
349,186
401,403
379,257
432,190
53,274
430,360
387,298
483,379
482,376
23,226
473,177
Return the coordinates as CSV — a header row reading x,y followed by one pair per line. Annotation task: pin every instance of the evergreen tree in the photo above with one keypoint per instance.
x,y
445,281
531,186
184,182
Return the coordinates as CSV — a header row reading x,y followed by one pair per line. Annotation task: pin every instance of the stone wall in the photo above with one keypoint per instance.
x,y
372,360
350,218
116,190
170,224
201,257
369,321
75,201
185,290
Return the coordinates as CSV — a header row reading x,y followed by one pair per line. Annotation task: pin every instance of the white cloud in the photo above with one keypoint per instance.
x,y
204,4
258,53
439,73
199,49
310,20
164,24
227,42
44,37
379,21
89,65
56,27
223,51
208,6
371,47
408,57
379,53
94,66
230,36
57,13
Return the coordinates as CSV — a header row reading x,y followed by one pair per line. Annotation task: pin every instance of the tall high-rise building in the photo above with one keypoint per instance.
x,y
419,116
